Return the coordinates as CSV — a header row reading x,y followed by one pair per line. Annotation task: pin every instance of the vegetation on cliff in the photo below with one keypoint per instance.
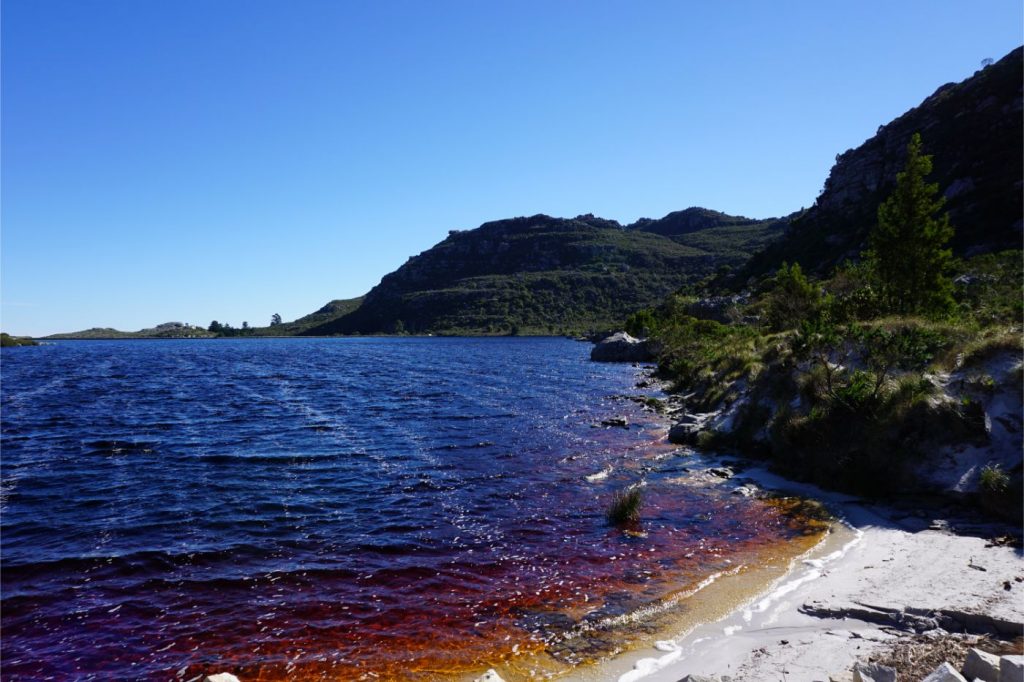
x,y
972,128
843,379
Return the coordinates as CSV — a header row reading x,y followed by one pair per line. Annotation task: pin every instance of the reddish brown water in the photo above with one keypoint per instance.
x,y
294,510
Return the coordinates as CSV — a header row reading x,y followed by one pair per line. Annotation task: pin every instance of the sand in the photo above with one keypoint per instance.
x,y
881,558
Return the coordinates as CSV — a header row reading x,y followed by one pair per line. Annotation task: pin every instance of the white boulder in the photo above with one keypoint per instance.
x,y
1011,669
981,665
945,673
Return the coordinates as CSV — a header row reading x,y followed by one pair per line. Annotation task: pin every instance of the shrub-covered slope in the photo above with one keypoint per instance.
x,y
542,275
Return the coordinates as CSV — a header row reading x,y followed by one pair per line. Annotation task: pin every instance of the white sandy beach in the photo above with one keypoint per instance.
x,y
883,559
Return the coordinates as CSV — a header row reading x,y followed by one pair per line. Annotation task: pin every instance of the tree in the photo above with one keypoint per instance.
x,y
792,300
907,250
275,320
215,327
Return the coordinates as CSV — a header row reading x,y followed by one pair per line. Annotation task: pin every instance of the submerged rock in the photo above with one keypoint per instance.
x,y
620,422
621,347
490,676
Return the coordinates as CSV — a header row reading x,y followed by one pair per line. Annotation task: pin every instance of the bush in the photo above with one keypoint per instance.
x,y
792,300
625,507
641,323
994,480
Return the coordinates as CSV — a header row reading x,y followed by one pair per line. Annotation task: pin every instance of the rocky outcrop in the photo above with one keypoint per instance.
x,y
621,347
973,130
981,665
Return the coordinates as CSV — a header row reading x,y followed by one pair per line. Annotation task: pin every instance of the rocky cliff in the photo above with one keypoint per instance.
x,y
973,130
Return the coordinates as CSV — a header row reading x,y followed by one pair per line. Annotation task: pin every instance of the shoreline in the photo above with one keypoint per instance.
x,y
841,601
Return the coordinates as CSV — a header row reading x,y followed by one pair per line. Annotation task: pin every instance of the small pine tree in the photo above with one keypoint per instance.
x,y
792,300
907,250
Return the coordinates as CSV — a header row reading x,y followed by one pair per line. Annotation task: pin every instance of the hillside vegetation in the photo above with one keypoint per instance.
x,y
8,341
852,379
544,275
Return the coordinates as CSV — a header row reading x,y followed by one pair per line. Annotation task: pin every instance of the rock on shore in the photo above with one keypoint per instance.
x,y
621,347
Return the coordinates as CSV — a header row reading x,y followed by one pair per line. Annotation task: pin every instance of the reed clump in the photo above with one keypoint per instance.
x,y
625,507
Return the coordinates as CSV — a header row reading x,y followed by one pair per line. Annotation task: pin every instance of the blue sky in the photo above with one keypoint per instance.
x,y
228,159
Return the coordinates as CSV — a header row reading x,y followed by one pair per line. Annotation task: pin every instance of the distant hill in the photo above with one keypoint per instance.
x,y
330,312
695,219
973,129
167,330
541,274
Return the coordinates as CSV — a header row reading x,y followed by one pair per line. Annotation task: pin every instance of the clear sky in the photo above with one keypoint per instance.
x,y
193,160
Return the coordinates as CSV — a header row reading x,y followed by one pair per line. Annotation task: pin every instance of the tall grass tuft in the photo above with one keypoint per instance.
x,y
994,479
625,507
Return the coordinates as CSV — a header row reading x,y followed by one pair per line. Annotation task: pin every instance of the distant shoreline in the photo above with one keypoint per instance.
x,y
335,336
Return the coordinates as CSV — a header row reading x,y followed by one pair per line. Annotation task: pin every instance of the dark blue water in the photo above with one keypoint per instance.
x,y
320,508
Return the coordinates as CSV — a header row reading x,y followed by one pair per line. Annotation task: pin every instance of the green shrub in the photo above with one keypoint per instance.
x,y
641,323
792,300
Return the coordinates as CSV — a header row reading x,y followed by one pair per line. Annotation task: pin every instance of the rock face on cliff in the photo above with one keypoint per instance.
x,y
544,275
973,130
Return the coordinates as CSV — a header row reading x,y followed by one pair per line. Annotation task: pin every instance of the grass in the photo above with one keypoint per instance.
x,y
625,507
994,479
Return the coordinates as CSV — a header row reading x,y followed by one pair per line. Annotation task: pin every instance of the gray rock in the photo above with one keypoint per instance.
x,y
845,676
981,665
699,678
1011,669
621,347
620,422
945,673
873,672
683,433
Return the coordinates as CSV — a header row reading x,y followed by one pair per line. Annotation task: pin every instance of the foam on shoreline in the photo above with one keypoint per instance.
x,y
760,603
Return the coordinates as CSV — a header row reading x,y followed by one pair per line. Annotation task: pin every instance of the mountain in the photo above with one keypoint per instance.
x,y
972,129
541,274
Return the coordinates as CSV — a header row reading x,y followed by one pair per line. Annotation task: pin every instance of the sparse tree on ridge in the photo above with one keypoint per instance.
x,y
907,247
275,320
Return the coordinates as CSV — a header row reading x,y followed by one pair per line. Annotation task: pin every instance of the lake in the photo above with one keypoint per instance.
x,y
402,508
